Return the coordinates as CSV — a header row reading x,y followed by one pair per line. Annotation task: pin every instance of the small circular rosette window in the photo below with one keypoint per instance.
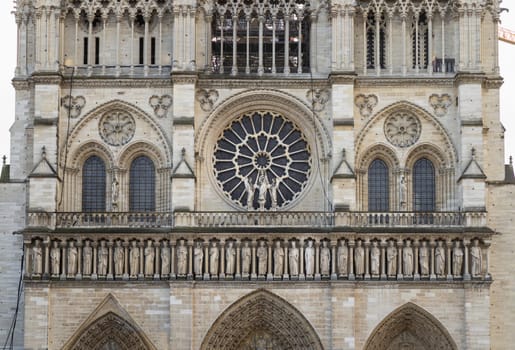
x,y
262,161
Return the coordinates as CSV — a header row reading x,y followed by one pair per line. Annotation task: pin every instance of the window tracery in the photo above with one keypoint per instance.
x,y
378,186
424,185
94,185
262,161
142,185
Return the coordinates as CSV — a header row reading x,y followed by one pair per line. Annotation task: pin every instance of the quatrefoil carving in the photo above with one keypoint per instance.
x,y
160,104
440,103
207,99
74,105
366,104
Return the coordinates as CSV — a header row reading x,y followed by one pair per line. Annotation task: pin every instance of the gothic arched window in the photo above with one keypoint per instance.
x,y
378,186
376,45
93,185
424,188
142,185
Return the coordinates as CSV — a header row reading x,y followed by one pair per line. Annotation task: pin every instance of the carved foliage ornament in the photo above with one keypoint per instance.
x,y
318,98
402,129
160,104
440,103
366,104
117,127
207,99
74,105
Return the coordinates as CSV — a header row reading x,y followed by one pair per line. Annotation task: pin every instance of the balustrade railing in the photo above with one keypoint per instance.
x,y
213,219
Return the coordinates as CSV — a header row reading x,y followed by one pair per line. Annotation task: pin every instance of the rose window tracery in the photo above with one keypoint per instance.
x,y
117,128
402,129
262,161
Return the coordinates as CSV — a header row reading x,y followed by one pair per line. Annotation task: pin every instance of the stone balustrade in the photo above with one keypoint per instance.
x,y
238,257
256,219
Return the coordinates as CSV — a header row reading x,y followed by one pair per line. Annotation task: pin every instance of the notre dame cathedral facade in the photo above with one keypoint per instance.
x,y
257,174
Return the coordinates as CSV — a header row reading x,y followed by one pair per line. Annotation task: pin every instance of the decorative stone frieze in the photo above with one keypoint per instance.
x,y
290,257
440,103
160,104
73,105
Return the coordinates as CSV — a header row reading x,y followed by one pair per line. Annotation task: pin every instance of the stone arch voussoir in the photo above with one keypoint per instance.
x,y
413,320
261,310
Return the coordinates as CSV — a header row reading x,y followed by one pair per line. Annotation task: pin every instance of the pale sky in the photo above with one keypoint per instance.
x,y
8,64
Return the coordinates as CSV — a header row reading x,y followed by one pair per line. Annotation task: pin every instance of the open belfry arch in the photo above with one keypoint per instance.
x,y
261,317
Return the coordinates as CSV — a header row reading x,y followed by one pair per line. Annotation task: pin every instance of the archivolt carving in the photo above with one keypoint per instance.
x,y
381,151
407,107
107,327
159,140
414,320
86,150
429,151
141,148
272,100
274,317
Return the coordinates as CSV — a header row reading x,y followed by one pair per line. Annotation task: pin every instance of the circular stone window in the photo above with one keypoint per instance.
x,y
402,129
262,161
117,128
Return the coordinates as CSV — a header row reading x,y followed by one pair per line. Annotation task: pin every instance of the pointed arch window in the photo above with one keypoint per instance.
x,y
376,40
424,187
142,185
94,185
378,186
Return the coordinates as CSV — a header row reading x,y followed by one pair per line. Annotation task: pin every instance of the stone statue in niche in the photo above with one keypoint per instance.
x,y
182,258
262,256
274,186
72,260
55,258
246,255
87,258
115,192
457,259
343,257
37,258
119,256
263,187
407,259
214,255
165,259
230,254
325,259
133,260
440,259
391,259
309,258
249,188
476,259
423,256
278,259
375,258
149,258
103,255
293,259
359,258
198,257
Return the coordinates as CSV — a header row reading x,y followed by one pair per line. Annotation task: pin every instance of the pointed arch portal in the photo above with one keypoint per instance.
x,y
261,320
410,328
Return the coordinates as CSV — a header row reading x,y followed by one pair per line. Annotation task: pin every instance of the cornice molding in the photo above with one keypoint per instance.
x,y
254,82
398,81
109,82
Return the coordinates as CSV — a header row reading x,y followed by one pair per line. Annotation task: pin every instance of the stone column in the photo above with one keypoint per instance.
x,y
432,275
126,260
46,264
190,260
317,261
367,259
302,275
286,261
221,276
466,273
78,276
172,260
141,247
352,277
253,275
238,258
157,260
399,260
448,242
94,262
486,246
384,243
64,260
334,275
416,274
270,274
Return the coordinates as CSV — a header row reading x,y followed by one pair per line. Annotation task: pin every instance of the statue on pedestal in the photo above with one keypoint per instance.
x,y
246,256
391,259
214,255
87,258
72,260
325,259
457,259
407,259
375,258
278,259
165,259
134,260
198,257
55,258
37,258
423,256
230,254
182,258
476,259
440,259
343,258
149,258
293,259
309,258
103,257
359,258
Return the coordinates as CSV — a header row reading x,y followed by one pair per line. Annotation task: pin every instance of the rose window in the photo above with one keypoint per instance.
x,y
262,161
117,128
402,129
